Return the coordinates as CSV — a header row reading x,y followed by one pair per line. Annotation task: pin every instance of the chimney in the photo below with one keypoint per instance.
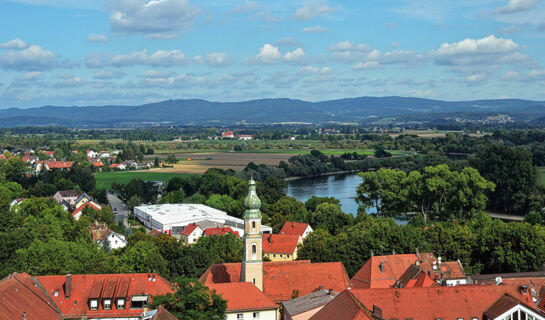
x,y
417,255
321,287
270,239
382,267
330,291
68,285
377,311
24,315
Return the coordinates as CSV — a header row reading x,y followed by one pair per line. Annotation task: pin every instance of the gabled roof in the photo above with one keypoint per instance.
x,y
219,231
189,229
68,193
163,314
344,307
243,296
414,276
59,164
95,286
384,271
294,228
279,243
283,281
20,295
308,302
502,305
466,301
89,204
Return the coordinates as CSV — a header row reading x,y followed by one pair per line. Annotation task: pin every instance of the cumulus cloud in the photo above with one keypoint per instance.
x,y
15,44
68,81
158,58
366,65
489,50
108,74
268,54
294,56
312,10
97,60
479,77
217,59
517,6
315,29
31,78
348,51
154,18
287,42
510,75
247,6
32,58
97,38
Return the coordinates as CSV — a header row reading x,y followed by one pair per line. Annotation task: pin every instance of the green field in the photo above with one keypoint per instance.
x,y
104,179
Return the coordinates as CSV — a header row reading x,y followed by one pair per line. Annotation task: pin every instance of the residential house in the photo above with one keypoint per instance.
x,y
53,165
158,314
302,308
68,196
91,154
101,234
228,134
244,137
296,228
280,247
103,154
118,166
50,154
15,203
245,301
103,296
474,302
22,298
219,231
191,233
131,164
82,199
79,210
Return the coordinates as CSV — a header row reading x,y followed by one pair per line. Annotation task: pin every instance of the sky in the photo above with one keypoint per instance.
x,y
131,52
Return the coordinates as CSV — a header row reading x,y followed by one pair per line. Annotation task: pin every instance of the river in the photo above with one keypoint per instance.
x,y
340,186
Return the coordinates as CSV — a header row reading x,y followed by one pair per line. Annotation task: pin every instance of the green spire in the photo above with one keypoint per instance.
x,y
252,202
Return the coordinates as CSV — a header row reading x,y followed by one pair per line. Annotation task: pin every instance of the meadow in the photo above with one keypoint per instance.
x,y
104,180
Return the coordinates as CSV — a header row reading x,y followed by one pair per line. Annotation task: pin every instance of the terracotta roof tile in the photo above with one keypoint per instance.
x,y
242,296
188,229
219,231
280,243
294,228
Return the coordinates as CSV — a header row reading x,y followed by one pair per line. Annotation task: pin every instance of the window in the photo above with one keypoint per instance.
x,y
139,302
256,315
280,256
287,256
254,280
253,225
254,249
240,316
93,304
107,304
274,255
120,304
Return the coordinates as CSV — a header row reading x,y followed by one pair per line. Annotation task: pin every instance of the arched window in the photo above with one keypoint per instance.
x,y
254,249
253,225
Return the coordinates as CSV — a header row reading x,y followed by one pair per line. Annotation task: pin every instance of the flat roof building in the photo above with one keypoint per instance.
x,y
173,218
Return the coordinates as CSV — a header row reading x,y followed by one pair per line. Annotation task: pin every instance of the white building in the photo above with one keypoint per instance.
x,y
173,218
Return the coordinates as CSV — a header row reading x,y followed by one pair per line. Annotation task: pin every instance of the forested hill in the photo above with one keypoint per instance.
x,y
202,112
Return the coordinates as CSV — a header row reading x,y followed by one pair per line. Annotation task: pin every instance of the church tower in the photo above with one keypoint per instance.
x,y
252,261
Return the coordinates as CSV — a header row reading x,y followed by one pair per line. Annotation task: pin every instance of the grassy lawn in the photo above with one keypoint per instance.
x,y
104,179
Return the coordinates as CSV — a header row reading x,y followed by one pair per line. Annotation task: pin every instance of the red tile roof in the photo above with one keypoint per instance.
x,y
19,295
96,285
188,229
467,301
59,164
220,231
242,296
97,164
49,153
393,266
280,243
283,280
294,228
344,307
89,204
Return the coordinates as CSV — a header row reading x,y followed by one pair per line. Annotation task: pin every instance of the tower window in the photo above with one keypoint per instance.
x,y
254,249
253,225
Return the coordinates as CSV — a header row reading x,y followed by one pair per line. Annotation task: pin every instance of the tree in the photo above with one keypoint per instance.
x,y
143,256
330,217
384,190
315,201
134,201
192,301
171,159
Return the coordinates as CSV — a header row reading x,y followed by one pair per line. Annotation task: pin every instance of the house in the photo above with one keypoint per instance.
x,y
30,159
15,202
118,166
79,210
101,234
191,233
302,308
296,228
21,298
278,280
103,154
244,137
68,196
414,277
82,199
475,302
131,164
280,247
158,314
55,165
245,301
228,134
103,296
218,231
91,154
97,163
50,154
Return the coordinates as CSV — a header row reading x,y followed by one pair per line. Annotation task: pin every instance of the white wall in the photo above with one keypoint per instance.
x,y
263,315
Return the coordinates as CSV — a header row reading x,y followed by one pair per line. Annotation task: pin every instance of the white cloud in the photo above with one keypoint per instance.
x,y
312,10
32,58
155,18
310,70
108,74
157,74
510,75
158,58
287,42
97,38
296,55
97,60
489,50
217,59
247,6
517,6
315,29
68,81
366,65
31,78
537,74
15,44
268,54
348,51
476,77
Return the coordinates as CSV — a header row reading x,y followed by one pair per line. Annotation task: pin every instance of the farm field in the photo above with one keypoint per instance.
x,y
104,180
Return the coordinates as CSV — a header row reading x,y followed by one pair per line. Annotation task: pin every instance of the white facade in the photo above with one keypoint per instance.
x,y
251,315
193,236
307,231
115,240
456,282
172,218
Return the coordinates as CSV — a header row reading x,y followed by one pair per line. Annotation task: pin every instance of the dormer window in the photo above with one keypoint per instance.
x,y
93,304
139,302
107,304
120,304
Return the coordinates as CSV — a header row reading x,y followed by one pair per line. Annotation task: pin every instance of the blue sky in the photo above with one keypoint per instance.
x,y
101,52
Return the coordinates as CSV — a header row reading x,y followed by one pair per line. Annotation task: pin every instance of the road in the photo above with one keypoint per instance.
x,y
121,210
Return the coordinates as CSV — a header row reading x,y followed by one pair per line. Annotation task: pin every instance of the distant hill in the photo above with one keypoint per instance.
x,y
262,111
